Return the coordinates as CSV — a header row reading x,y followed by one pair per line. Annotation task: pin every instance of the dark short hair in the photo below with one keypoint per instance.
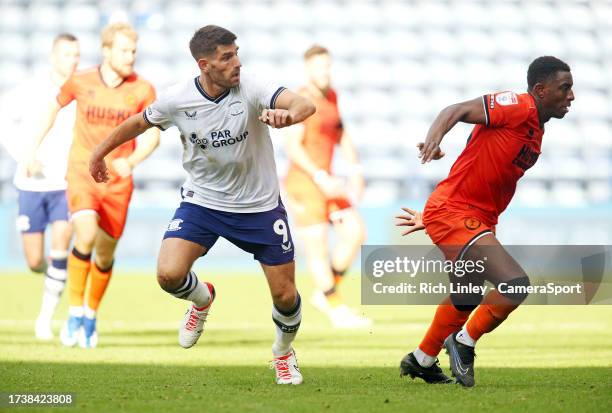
x,y
206,39
315,50
68,37
543,68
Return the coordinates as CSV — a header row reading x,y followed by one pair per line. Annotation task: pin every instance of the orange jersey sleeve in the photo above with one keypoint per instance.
x,y
67,92
506,109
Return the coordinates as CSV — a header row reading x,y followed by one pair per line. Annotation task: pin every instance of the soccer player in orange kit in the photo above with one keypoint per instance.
x,y
316,198
461,214
106,95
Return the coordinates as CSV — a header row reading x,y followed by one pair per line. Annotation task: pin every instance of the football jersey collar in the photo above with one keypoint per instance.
x,y
208,97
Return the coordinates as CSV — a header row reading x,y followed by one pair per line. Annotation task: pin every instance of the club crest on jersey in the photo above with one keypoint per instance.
x,y
506,98
236,108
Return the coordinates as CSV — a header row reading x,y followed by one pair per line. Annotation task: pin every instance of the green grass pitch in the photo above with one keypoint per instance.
x,y
542,359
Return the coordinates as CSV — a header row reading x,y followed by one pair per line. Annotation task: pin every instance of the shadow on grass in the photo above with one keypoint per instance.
x,y
172,388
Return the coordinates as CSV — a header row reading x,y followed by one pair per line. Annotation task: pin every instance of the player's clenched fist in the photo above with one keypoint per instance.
x,y
98,170
277,118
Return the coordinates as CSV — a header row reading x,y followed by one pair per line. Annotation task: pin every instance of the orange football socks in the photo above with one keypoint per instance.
x,y
78,269
99,282
493,310
447,320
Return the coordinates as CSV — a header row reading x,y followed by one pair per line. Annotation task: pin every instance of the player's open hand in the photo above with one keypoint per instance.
x,y
412,219
98,170
276,118
430,150
123,167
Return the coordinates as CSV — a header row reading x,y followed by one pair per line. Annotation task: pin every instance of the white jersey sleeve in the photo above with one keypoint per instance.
x,y
159,113
261,94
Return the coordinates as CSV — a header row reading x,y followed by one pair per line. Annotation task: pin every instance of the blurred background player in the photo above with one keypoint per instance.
x,y
42,196
232,187
461,214
317,198
106,95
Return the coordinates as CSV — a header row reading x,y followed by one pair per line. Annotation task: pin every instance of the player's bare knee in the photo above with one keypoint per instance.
x,y
516,289
38,266
285,299
170,279
104,263
466,302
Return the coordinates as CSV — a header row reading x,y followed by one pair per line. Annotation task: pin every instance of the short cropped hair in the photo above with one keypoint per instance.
x,y
206,39
315,50
109,32
543,68
67,37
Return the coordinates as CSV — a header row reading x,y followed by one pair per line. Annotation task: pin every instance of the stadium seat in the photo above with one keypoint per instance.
x,y
532,194
568,194
13,18
576,15
44,17
79,17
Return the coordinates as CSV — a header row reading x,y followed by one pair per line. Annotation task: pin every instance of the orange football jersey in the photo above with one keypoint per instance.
x,y
100,109
483,179
322,132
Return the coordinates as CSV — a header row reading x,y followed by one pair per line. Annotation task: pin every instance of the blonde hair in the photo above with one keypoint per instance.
x,y
315,50
109,32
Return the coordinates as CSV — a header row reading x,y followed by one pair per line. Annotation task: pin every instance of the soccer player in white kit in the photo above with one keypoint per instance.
x,y
232,188
42,190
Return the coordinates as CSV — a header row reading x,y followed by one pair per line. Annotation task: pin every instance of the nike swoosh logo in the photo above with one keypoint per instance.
x,y
296,367
460,367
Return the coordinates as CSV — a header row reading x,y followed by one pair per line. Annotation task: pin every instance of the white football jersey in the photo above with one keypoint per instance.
x,y
227,151
23,109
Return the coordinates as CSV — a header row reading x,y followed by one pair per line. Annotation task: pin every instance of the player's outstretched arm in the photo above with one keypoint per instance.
x,y
47,121
291,108
471,111
412,219
147,143
129,129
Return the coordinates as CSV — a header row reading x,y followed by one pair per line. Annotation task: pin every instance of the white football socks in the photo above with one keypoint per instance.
x,y
424,359
287,325
55,282
464,338
195,291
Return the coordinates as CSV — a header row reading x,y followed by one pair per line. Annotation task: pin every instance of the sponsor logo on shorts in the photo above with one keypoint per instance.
x,y
472,223
175,225
23,223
